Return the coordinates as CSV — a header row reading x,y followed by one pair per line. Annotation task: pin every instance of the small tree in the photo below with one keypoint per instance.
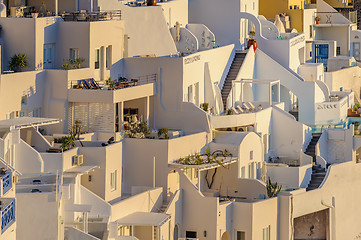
x,y
163,133
68,142
76,129
18,62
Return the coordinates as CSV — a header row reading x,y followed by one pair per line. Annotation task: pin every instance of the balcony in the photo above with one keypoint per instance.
x,y
7,212
89,90
5,182
84,16
335,18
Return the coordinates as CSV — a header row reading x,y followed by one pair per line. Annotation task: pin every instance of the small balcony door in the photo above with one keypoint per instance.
x,y
48,56
356,50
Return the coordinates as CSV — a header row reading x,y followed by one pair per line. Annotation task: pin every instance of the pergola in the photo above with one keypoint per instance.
x,y
270,84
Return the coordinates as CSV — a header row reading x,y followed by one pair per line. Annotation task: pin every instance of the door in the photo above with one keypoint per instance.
x,y
48,56
321,55
356,50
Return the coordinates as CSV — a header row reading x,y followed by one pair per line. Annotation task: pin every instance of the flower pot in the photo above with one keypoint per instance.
x,y
252,42
151,2
317,21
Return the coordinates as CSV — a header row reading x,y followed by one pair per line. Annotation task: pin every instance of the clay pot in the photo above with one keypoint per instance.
x,y
151,2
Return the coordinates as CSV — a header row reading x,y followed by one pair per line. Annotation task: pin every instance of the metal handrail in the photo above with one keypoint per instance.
x,y
92,16
7,216
135,81
6,183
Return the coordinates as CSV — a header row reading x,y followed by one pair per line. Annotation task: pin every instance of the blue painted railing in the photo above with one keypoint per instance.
x,y
7,216
6,182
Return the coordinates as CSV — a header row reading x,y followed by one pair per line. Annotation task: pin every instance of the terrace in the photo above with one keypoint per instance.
x,y
335,109
335,18
33,9
41,183
84,16
90,90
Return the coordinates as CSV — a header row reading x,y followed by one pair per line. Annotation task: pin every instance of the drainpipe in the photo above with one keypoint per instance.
x,y
56,8
348,40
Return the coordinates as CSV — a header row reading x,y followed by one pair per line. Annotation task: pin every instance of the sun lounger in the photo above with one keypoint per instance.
x,y
251,105
240,110
246,106
85,84
235,110
94,83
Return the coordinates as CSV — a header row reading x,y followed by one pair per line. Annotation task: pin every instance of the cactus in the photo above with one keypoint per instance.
x,y
272,188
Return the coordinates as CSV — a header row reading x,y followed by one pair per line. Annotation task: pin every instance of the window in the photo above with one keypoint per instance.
x,y
251,155
74,53
113,180
311,30
191,234
254,5
97,58
36,112
338,51
195,174
124,230
24,99
108,58
243,172
241,235
267,232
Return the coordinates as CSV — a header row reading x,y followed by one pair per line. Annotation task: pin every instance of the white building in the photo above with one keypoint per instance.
x,y
171,129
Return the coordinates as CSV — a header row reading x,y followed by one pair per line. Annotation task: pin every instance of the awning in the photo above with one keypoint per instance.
x,y
81,169
26,122
144,219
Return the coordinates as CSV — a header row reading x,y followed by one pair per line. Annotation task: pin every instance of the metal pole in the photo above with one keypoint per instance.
x,y
153,172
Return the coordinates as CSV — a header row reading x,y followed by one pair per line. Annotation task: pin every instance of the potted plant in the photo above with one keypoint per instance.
x,y
111,83
230,112
35,13
205,107
252,34
18,62
163,133
77,86
317,19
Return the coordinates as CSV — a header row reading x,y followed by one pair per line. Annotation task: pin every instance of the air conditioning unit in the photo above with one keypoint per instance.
x,y
78,160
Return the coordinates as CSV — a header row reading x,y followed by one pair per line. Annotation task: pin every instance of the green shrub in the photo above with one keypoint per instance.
x,y
18,62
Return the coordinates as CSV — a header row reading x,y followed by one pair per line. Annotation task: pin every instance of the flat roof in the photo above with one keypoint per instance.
x,y
26,122
144,219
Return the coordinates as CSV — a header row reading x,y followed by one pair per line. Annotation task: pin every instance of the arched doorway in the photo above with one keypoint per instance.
x,y
175,233
226,236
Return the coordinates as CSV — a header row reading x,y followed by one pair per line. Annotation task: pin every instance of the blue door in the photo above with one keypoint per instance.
x,y
321,54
